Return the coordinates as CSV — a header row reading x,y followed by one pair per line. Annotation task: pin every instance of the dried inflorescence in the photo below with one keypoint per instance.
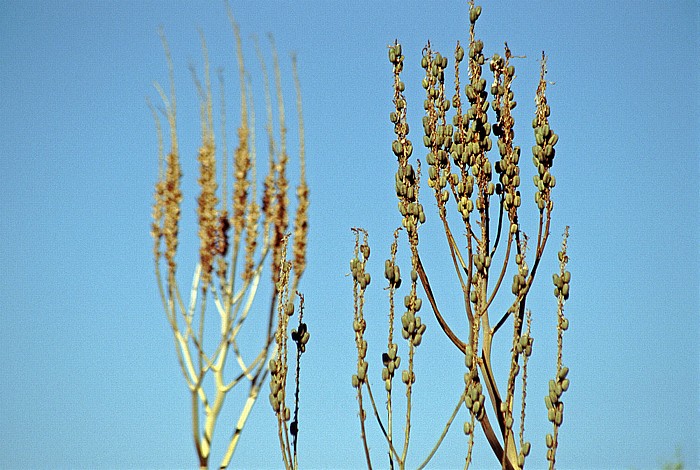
x,y
230,266
486,194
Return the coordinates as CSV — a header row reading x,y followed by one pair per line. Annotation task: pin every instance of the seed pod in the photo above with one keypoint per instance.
x,y
459,53
565,384
526,449
565,291
565,324
404,376
417,339
549,440
467,427
563,373
566,277
476,407
387,385
551,415
558,418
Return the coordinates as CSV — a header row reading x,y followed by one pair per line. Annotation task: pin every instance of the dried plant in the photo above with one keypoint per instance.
x,y
459,168
237,240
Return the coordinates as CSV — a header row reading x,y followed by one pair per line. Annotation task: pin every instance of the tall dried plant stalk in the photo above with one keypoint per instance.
x,y
230,266
494,245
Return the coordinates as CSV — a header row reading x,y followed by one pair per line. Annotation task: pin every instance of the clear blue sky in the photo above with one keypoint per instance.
x,y
89,374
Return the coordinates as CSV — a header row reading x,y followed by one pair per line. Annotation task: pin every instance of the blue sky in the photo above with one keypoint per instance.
x,y
90,378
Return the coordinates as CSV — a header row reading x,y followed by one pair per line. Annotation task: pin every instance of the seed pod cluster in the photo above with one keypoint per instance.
x,y
555,407
301,337
543,150
524,345
561,284
474,398
503,103
277,385
391,361
412,327
357,268
392,273
437,133
524,452
407,179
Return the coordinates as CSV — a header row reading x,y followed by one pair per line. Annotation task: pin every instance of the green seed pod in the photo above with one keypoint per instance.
x,y
509,422
565,324
526,449
551,415
362,371
539,138
558,418
524,340
459,53
467,428
563,373
548,402
417,339
476,407
565,291
397,274
367,279
549,440
404,376
565,384
521,460
513,228
394,117
566,277
392,55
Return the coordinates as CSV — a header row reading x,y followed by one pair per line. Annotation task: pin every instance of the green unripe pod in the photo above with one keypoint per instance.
x,y
467,427
565,324
417,339
549,440
459,53
565,384
563,373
